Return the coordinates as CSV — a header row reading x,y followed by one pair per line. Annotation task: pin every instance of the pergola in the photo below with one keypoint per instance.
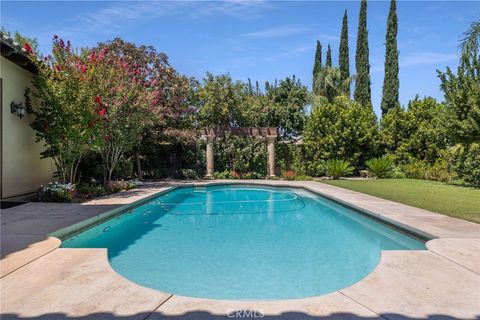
x,y
268,133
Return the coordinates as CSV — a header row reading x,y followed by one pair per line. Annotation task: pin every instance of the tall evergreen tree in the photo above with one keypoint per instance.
x,y
362,93
343,57
391,83
317,65
328,61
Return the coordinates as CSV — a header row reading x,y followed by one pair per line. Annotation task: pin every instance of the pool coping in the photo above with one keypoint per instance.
x,y
360,293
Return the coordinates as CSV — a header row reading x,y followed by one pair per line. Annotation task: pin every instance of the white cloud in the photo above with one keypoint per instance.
x,y
419,58
240,9
121,14
276,32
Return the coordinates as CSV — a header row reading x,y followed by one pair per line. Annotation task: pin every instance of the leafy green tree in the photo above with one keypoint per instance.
x,y
328,60
362,93
462,95
391,82
225,103
288,100
343,58
419,132
340,130
317,64
220,99
22,40
65,117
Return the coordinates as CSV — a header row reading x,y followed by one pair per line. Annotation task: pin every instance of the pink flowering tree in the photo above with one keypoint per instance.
x,y
65,117
123,102
167,91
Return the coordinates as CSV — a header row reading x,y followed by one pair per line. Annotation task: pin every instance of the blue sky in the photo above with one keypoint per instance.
x,y
258,39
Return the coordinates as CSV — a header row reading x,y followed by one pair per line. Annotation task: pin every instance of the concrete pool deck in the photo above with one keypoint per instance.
x,y
42,281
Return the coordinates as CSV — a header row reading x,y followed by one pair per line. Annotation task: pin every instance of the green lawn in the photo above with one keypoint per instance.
x,y
455,201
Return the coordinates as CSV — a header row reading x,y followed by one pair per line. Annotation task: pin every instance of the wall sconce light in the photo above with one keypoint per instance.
x,y
18,108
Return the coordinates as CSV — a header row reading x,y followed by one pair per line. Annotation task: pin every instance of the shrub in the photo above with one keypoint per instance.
x,y
188,174
56,192
418,132
440,171
289,175
258,175
342,129
337,168
160,173
132,184
221,175
247,175
90,191
120,185
316,168
467,164
117,186
235,175
381,167
252,175
415,169
398,174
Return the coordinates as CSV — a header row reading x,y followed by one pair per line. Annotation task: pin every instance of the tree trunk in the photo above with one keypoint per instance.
x,y
110,171
139,166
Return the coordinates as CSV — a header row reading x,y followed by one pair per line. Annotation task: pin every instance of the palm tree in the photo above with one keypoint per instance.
x,y
329,83
470,42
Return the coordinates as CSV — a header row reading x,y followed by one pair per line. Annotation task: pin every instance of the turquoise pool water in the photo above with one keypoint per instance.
x,y
243,242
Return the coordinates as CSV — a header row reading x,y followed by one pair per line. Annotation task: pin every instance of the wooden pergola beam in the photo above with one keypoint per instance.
x,y
241,131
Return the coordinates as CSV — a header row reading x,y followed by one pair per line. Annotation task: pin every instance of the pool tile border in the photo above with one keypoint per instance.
x,y
79,227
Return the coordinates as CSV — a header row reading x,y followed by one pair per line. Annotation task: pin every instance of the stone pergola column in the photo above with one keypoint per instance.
x,y
210,160
271,156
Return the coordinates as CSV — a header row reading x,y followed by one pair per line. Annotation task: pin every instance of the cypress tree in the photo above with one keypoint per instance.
x,y
391,83
328,61
317,65
362,93
343,56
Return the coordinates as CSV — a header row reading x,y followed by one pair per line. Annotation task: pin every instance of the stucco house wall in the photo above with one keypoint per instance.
x,y
22,170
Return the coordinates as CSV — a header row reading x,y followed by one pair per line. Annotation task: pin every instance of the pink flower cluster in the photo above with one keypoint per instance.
x,y
101,110
27,48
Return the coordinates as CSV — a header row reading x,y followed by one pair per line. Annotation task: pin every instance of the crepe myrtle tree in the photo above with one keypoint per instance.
x,y
65,117
172,90
171,104
123,104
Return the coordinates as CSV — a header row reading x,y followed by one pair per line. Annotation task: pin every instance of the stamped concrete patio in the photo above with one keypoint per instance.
x,y
42,281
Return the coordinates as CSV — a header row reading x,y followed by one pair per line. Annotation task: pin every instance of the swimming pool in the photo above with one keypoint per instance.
x,y
243,242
